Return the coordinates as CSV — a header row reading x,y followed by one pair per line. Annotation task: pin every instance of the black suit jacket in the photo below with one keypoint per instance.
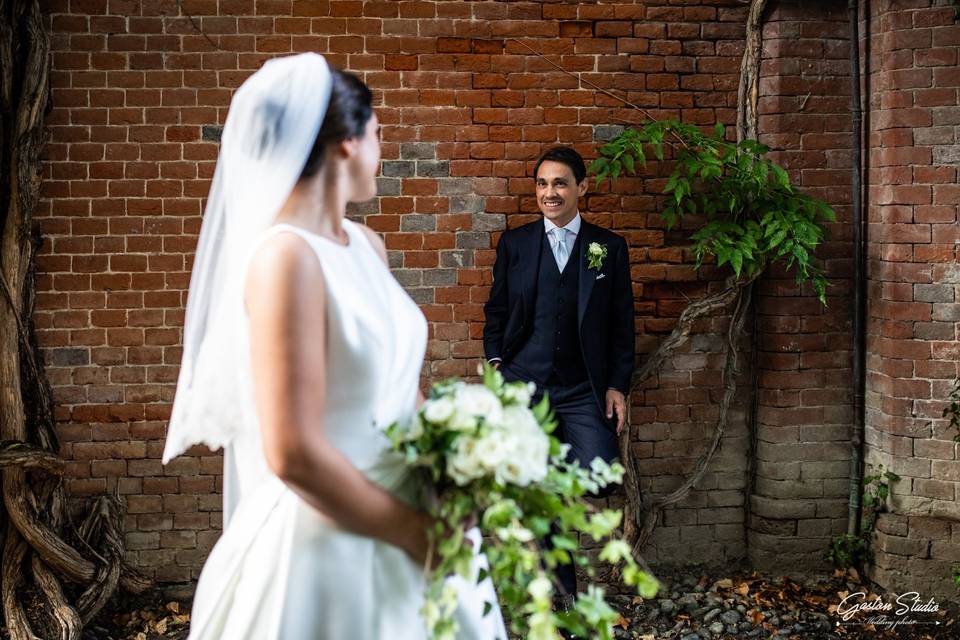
x,y
604,303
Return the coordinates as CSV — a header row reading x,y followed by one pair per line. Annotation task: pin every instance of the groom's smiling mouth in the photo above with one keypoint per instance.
x,y
553,204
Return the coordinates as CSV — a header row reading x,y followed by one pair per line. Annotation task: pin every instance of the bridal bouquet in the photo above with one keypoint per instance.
x,y
486,452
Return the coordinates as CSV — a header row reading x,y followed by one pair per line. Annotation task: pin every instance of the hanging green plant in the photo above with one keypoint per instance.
x,y
754,216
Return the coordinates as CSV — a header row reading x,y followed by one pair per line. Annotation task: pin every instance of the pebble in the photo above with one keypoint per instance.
x,y
713,613
688,601
730,617
667,606
716,628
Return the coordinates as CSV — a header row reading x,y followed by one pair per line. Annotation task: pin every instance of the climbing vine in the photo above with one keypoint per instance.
x,y
753,217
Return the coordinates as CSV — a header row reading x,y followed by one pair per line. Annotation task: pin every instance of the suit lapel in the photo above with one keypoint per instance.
x,y
530,268
587,276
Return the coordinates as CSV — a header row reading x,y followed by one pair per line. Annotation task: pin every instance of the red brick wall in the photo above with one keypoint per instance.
x,y
465,110
914,272
804,413
138,95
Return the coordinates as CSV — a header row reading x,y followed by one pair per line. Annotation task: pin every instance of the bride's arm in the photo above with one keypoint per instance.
x,y
286,300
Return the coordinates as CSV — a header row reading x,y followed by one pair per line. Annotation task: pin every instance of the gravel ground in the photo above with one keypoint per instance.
x,y
695,604
700,605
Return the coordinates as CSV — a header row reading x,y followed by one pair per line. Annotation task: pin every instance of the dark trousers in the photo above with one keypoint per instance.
x,y
583,425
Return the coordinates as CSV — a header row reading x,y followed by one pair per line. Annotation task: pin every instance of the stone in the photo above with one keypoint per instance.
x,y
418,222
667,606
730,617
473,240
710,615
716,628
388,186
456,186
466,204
433,168
948,154
605,132
489,221
418,151
397,168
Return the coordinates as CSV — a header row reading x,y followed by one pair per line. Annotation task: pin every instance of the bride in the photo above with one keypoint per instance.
x,y
298,346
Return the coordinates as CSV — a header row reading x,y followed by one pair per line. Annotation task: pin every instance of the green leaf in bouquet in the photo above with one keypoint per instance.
x,y
541,410
499,514
492,378
538,524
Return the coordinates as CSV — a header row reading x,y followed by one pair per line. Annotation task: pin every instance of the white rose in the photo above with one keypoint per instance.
x,y
438,411
478,401
464,464
509,471
462,422
525,448
490,451
516,417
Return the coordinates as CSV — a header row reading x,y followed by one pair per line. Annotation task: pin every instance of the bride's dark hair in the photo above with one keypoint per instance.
x,y
351,107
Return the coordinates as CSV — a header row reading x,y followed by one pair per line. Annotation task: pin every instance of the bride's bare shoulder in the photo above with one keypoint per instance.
x,y
283,261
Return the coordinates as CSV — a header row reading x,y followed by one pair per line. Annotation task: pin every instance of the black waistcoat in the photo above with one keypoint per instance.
x,y
552,354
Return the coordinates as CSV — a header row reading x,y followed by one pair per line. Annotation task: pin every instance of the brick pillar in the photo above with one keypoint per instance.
x,y
804,401
914,280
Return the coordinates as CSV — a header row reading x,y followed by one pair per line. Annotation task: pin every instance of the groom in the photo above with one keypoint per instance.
x,y
560,314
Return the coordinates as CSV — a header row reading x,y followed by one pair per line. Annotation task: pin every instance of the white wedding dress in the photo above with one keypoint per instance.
x,y
283,571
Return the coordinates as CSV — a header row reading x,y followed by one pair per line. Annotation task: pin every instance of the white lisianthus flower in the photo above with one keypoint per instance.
x,y
439,410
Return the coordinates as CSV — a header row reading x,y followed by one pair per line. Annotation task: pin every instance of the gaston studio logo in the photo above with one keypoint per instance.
x,y
855,610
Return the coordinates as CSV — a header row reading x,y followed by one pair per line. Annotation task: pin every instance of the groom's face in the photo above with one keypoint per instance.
x,y
558,192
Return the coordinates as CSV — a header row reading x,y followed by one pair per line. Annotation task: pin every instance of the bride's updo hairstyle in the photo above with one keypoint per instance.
x,y
351,107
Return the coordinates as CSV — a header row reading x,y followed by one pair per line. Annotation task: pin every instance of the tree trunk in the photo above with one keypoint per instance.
x,y
34,519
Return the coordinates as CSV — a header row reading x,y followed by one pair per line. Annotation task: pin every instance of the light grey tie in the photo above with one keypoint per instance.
x,y
560,252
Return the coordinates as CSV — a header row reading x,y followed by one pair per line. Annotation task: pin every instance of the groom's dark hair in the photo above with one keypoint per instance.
x,y
569,157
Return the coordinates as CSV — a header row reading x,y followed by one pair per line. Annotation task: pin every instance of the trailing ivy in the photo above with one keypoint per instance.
x,y
753,215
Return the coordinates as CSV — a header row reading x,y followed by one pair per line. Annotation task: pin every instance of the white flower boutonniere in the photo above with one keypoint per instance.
x,y
596,252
